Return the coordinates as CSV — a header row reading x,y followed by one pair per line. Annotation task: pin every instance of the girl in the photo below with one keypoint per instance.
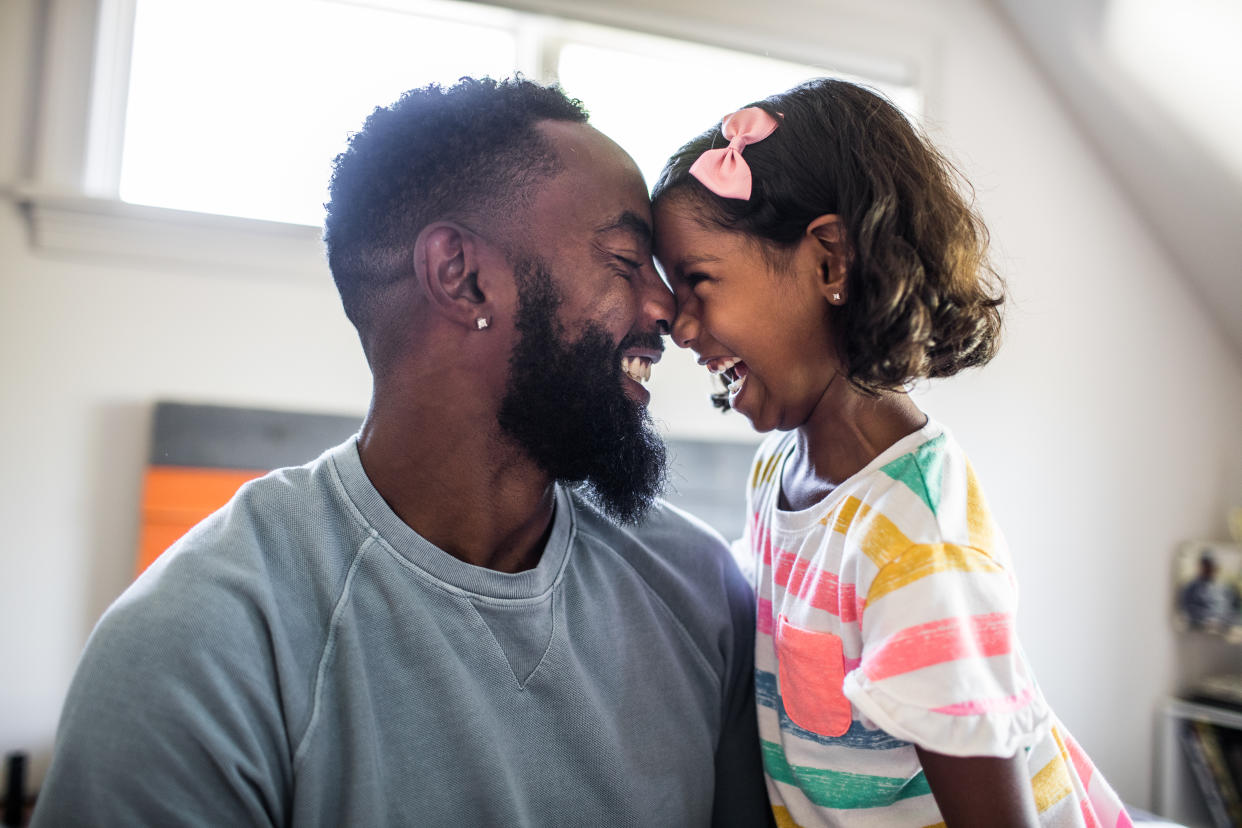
x,y
822,262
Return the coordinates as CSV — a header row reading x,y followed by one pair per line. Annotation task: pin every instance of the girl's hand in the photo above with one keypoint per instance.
x,y
981,791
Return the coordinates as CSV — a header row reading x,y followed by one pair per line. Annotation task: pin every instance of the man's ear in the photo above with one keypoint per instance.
x,y
832,246
446,263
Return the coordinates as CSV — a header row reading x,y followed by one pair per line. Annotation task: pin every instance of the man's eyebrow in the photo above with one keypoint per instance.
x,y
629,222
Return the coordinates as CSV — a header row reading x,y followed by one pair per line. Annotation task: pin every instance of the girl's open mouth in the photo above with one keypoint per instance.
x,y
732,370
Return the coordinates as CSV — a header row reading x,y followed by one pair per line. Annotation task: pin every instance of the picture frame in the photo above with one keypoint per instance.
x,y
1207,589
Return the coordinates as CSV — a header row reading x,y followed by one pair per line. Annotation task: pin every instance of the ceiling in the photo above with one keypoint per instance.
x,y
1164,128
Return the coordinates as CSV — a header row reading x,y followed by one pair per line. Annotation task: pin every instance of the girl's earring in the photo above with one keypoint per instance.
x,y
836,297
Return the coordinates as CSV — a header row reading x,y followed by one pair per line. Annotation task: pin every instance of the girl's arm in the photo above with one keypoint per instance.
x,y
980,791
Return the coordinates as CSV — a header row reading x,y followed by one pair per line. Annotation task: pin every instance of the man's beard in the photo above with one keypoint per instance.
x,y
565,405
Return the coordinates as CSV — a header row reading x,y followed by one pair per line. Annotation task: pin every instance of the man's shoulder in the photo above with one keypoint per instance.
x,y
664,517
259,575
282,538
220,636
664,528
676,553
287,509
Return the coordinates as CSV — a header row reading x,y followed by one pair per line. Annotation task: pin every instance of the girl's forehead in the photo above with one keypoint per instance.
x,y
682,225
680,216
685,244
676,230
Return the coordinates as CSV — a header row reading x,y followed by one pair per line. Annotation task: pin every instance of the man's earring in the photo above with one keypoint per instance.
x,y
836,297
481,323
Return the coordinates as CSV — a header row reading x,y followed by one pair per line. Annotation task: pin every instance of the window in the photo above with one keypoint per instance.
x,y
167,127
652,94
237,107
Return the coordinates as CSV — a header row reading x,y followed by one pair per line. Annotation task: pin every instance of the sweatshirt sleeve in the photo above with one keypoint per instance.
x,y
173,716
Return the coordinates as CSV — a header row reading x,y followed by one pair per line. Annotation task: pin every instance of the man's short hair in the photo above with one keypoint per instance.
x,y
468,152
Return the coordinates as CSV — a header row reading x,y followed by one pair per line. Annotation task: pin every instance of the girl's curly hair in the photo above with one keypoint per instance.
x,y
923,299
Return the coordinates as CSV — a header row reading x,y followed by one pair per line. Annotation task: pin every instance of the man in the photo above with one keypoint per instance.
x,y
1209,604
476,613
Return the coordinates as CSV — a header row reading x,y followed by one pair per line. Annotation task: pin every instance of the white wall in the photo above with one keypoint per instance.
x,y
1107,431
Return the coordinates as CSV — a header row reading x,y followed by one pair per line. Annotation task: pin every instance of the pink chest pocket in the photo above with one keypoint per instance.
x,y
812,669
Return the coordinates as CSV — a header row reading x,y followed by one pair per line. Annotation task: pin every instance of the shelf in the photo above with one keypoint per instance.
x,y
1178,796
1204,712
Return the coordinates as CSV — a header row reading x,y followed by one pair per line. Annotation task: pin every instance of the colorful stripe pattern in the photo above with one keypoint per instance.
x,y
902,581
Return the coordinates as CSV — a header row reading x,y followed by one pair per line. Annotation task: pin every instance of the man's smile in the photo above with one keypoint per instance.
x,y
638,366
638,353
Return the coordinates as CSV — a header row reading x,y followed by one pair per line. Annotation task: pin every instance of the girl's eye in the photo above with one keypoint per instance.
x,y
693,280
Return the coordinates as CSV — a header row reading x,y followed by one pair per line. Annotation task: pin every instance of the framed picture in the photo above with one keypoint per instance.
x,y
1208,588
201,454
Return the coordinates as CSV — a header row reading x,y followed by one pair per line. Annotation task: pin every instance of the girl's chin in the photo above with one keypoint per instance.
x,y
741,403
747,401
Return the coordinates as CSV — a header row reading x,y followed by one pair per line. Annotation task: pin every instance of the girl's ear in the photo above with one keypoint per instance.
x,y
832,247
446,264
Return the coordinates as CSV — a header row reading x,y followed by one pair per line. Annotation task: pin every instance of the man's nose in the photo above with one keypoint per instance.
x,y
685,327
656,305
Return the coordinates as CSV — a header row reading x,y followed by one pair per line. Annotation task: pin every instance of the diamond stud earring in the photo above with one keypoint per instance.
x,y
836,297
481,322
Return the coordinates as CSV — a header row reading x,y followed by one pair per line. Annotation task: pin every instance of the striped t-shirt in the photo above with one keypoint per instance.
x,y
885,620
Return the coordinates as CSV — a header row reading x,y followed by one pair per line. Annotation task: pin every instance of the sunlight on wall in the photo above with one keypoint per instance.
x,y
1185,54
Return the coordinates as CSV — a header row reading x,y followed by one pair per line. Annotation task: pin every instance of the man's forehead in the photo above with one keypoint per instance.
x,y
591,157
572,140
599,184
628,222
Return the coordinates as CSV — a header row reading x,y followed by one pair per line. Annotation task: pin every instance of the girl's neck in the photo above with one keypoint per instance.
x,y
846,432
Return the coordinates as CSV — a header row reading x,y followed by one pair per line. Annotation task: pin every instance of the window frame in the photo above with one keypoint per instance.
x,y
69,190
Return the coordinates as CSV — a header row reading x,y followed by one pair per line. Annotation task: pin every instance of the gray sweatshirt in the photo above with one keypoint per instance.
x,y
302,657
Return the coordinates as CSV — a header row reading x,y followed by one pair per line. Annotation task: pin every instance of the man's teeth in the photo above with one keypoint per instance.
x,y
637,368
719,366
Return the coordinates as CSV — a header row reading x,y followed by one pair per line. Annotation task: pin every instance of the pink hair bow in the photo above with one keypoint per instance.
x,y
723,171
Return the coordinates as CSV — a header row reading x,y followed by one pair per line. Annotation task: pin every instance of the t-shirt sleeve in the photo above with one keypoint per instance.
x,y
172,718
759,481
940,664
